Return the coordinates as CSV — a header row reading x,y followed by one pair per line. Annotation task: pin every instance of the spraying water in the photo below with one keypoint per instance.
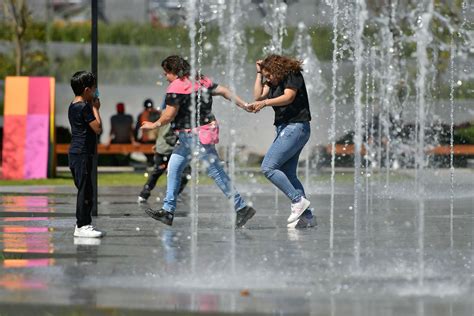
x,y
191,24
423,38
316,85
275,25
332,132
451,139
361,13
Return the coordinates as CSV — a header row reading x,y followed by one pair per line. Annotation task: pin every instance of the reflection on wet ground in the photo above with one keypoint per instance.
x,y
395,255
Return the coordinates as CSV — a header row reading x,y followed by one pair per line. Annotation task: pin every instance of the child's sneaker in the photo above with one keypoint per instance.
x,y
306,220
141,200
297,209
243,215
88,231
161,215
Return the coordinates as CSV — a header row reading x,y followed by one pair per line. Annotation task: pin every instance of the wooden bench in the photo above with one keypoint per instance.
x,y
112,149
458,150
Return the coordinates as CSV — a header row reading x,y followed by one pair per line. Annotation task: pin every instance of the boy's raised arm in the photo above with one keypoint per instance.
x,y
96,124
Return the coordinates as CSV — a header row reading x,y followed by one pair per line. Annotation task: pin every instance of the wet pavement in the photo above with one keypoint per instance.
x,y
394,252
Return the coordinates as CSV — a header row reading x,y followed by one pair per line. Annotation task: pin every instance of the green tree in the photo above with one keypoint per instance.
x,y
18,16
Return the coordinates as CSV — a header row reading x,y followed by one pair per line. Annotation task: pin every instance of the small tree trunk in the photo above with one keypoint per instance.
x,y
19,55
18,13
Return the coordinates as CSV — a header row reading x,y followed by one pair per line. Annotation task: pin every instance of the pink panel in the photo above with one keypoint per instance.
x,y
14,133
36,149
38,95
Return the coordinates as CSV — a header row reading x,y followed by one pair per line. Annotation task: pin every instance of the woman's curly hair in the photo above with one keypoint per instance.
x,y
281,66
176,65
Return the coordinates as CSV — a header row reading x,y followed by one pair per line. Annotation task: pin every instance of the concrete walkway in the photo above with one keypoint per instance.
x,y
392,254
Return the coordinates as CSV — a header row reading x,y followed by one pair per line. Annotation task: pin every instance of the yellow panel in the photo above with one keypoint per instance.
x,y
16,96
52,110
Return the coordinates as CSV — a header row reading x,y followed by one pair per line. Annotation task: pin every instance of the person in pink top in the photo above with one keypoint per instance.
x,y
179,112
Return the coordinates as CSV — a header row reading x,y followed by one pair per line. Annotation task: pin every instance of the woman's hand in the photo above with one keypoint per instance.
x,y
258,105
248,107
147,126
257,65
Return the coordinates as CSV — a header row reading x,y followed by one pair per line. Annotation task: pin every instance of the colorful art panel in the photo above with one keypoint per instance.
x,y
36,150
28,133
16,96
38,95
52,130
14,136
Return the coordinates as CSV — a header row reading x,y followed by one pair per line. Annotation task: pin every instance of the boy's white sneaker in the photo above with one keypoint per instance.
x,y
88,231
297,209
141,200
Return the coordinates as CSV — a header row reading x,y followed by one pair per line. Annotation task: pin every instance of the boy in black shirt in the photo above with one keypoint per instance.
x,y
86,124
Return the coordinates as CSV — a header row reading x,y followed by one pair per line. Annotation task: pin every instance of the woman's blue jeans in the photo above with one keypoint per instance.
x,y
281,161
207,153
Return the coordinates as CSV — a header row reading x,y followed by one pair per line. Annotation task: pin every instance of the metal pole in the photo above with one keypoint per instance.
x,y
94,17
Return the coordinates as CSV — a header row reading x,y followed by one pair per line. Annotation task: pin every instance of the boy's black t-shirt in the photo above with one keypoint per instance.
x,y
84,139
298,110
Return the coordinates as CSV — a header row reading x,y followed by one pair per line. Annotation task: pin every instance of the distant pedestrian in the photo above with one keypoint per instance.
x,y
166,140
121,127
149,113
121,132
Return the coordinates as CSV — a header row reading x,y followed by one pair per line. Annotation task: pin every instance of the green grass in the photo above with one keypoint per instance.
x,y
138,179
61,179
105,179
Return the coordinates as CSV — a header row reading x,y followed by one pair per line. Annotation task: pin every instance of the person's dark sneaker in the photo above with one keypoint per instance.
x,y
243,216
141,200
161,215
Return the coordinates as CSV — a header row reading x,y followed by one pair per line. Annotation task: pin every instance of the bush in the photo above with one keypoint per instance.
x,y
465,135
36,31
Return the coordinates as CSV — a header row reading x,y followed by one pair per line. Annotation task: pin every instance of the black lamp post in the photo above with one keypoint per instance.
x,y
94,10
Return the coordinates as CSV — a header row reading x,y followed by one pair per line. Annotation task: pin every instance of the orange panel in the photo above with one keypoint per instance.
x,y
16,95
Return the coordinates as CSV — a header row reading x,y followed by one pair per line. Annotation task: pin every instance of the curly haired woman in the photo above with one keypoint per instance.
x,y
280,84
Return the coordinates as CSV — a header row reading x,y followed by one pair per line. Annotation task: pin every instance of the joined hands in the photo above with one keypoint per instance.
x,y
255,107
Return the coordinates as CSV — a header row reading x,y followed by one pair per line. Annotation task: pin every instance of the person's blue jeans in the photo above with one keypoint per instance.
x,y
208,154
281,161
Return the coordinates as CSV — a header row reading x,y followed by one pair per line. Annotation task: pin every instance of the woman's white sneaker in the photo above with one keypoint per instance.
x,y
306,220
297,209
88,231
